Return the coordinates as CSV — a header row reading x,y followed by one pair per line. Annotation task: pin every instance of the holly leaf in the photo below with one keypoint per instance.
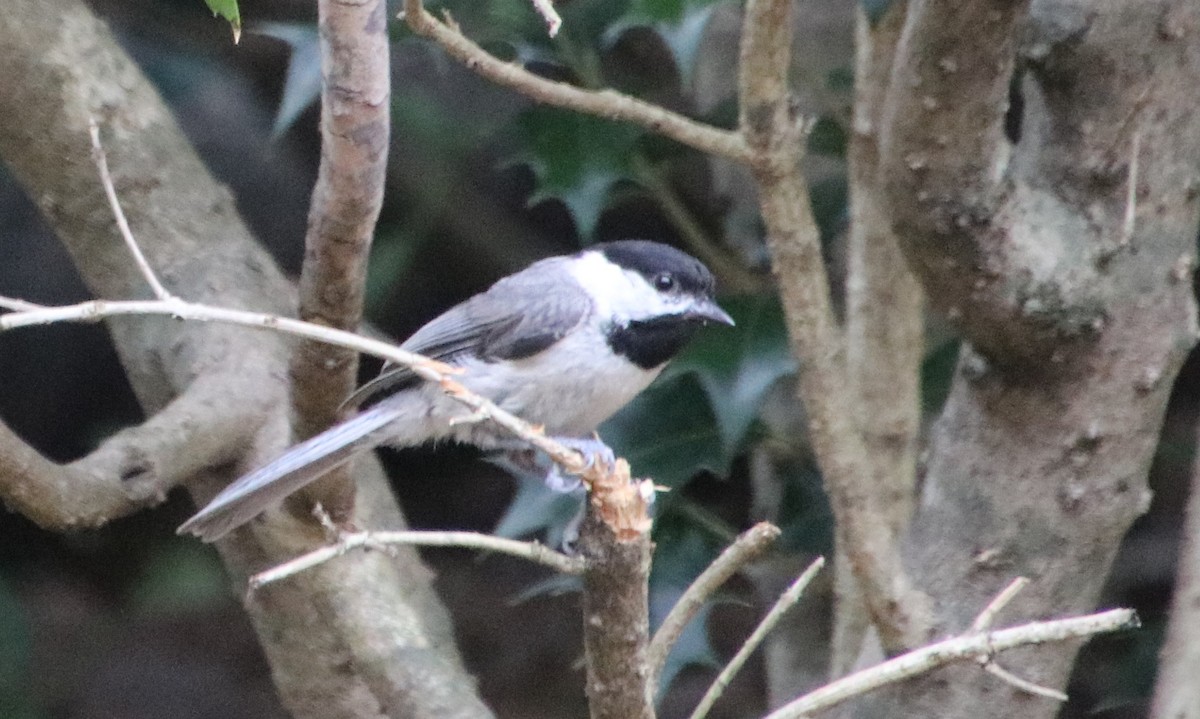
x,y
680,24
576,159
302,84
736,367
228,9
668,433
537,510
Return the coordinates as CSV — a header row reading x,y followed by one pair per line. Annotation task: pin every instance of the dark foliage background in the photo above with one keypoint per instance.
x,y
131,621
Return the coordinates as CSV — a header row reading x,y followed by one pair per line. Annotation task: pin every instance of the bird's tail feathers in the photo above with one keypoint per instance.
x,y
242,500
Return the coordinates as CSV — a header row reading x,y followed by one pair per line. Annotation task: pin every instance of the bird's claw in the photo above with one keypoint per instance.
x,y
594,452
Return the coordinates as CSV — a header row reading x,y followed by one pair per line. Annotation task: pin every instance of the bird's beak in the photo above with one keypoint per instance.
x,y
708,311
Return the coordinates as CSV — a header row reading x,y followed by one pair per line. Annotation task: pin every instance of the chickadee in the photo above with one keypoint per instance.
x,y
564,343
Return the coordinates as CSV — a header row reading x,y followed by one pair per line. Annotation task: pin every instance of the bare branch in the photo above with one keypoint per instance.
x,y
974,646
609,485
11,303
616,619
984,621
786,601
110,192
608,104
545,8
992,667
748,545
531,551
136,467
898,610
994,607
347,197
885,329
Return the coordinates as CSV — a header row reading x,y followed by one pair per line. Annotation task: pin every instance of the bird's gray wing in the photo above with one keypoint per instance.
x,y
517,317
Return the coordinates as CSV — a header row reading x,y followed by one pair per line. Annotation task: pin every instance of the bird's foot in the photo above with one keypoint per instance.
x,y
593,450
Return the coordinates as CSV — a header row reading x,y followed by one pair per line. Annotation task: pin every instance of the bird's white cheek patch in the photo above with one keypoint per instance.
x,y
617,293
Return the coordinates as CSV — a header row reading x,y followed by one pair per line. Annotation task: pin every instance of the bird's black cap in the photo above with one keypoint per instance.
x,y
653,258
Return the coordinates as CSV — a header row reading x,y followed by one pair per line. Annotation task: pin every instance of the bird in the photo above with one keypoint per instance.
x,y
563,343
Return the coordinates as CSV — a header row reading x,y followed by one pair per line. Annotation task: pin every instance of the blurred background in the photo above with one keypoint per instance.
x,y
132,622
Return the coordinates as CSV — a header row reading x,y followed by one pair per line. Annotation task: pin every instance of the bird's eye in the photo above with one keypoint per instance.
x,y
664,281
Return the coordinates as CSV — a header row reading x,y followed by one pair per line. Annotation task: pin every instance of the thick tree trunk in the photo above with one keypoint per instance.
x,y
1066,259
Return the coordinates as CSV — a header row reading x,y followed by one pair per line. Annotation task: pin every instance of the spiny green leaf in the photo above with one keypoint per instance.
x,y
537,509
302,84
668,433
737,366
576,159
228,9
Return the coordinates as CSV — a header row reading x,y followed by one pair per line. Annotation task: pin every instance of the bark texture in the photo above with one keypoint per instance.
x,y
616,621
1066,259
355,120
884,349
360,637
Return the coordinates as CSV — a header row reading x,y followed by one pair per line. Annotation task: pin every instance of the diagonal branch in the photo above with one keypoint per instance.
x,y
136,467
970,647
748,546
608,104
531,551
884,327
768,120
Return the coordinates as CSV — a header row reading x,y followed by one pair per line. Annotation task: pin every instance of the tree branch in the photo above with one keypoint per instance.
x,y
616,620
969,225
976,647
355,122
885,328
768,122
531,551
748,545
786,601
136,467
608,104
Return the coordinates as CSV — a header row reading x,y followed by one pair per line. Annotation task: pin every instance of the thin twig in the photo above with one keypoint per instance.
x,y
545,8
991,667
531,551
746,547
110,191
988,615
988,661
10,303
785,602
958,649
430,370
608,104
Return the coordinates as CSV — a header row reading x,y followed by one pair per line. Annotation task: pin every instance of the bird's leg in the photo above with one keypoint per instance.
x,y
593,449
